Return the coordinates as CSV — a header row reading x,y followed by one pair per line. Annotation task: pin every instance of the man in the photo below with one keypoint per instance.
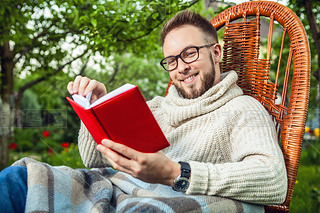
x,y
223,149
240,161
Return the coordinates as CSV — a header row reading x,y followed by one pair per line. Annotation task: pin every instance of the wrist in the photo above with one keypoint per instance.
x,y
181,183
173,173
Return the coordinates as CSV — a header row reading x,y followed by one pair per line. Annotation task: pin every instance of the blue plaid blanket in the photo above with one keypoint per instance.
x,y
63,189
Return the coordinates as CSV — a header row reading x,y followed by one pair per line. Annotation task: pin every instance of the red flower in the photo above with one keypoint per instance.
x,y
46,133
65,145
13,146
50,151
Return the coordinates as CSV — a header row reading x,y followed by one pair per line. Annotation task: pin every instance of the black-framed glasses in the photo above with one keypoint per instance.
x,y
188,55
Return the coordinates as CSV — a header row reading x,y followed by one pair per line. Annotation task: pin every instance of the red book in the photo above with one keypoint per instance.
x,y
122,116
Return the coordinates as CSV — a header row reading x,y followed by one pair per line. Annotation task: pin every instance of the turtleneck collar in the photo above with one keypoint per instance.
x,y
180,109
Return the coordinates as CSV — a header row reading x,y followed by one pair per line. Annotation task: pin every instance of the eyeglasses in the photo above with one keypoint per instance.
x,y
188,55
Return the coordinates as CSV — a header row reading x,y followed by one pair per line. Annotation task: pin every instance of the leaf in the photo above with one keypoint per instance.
x,y
94,22
155,15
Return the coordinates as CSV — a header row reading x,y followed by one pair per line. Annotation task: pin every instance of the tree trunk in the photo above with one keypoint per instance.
x,y
5,133
316,37
6,108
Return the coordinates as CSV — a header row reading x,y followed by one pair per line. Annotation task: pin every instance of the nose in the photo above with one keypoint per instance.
x,y
182,66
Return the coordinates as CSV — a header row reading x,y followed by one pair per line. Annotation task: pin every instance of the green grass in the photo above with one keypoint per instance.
x,y
306,194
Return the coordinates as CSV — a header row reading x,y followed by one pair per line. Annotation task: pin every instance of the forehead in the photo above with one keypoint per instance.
x,y
180,38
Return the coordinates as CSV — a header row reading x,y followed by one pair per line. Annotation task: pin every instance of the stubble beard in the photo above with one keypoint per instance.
x,y
207,83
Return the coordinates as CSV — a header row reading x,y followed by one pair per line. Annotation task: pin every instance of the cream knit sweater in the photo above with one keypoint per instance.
x,y
228,139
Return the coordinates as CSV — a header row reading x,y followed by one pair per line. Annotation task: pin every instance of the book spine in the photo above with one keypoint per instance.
x,y
100,124
94,126
89,119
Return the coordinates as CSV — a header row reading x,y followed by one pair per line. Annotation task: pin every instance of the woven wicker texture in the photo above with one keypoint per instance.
x,y
286,99
241,53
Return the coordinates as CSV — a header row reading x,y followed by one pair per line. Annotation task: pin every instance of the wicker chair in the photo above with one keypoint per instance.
x,y
241,52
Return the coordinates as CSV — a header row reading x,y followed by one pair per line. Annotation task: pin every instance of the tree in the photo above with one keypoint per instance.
x,y
146,73
41,39
309,12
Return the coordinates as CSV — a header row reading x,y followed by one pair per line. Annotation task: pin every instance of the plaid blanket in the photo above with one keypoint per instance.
x,y
63,189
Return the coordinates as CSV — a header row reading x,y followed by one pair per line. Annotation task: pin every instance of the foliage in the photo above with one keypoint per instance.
x,y
298,6
50,145
42,41
128,68
46,34
306,194
30,113
35,139
67,157
312,151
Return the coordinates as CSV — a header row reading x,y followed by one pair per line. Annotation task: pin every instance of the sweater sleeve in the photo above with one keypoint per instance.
x,y
90,156
256,172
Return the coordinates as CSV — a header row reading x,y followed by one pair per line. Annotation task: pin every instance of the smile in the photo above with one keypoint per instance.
x,y
190,78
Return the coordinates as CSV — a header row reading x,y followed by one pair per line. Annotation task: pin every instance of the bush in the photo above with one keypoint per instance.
x,y
40,139
48,145
66,156
69,156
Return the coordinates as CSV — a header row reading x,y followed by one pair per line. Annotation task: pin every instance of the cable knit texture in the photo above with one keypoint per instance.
x,y
228,138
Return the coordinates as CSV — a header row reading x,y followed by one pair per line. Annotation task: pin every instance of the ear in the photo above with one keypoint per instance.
x,y
216,49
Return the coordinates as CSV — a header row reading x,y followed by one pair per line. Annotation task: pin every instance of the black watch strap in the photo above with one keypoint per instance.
x,y
185,169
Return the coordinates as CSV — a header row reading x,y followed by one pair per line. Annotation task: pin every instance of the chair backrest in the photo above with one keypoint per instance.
x,y
241,52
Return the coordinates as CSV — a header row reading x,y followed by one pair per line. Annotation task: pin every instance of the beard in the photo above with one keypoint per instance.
x,y
206,83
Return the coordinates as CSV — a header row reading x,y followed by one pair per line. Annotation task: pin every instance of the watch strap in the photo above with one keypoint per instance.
x,y
185,169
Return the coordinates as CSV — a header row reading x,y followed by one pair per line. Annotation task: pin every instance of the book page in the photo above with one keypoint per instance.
x,y
112,94
85,101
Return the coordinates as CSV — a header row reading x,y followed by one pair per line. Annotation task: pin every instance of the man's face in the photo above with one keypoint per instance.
x,y
193,79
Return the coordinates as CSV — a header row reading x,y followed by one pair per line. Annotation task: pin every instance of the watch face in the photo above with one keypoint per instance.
x,y
181,185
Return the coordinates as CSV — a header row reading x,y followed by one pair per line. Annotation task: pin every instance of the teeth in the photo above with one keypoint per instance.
x,y
189,78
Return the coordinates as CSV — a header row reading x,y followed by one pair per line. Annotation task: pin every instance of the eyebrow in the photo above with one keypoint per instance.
x,y
187,47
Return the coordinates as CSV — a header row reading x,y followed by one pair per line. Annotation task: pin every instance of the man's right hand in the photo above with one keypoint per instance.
x,y
83,85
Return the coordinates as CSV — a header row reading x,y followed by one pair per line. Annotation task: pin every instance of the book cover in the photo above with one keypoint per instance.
x,y
124,118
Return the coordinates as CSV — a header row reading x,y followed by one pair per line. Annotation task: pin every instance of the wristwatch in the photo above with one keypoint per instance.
x,y
181,183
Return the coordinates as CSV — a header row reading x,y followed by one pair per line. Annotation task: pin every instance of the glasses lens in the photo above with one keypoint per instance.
x,y
190,55
169,63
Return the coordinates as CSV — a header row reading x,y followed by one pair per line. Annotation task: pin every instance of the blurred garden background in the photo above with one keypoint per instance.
x,y
44,44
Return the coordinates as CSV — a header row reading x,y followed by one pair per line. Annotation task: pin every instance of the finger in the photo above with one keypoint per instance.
x,y
98,89
118,161
83,84
118,167
76,84
117,157
92,85
121,149
102,149
70,88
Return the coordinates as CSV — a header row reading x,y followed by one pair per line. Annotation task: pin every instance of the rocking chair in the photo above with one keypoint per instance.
x,y
286,98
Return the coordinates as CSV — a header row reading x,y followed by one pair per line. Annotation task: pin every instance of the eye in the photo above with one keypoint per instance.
x,y
171,61
189,53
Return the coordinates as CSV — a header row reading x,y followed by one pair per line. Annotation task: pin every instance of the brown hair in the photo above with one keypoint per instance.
x,y
187,17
